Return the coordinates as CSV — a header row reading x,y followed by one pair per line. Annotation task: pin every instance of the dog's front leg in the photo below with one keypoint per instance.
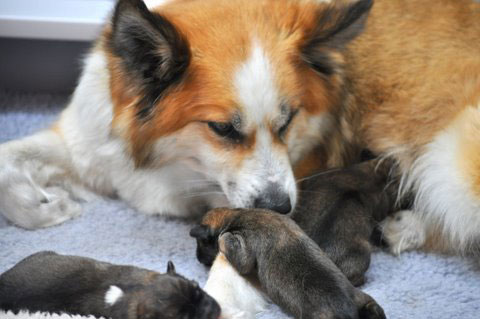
x,y
37,184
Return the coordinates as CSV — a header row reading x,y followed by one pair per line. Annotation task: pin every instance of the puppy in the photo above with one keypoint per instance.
x,y
289,267
50,282
339,209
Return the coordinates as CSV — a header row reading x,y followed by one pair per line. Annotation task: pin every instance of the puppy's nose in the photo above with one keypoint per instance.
x,y
274,199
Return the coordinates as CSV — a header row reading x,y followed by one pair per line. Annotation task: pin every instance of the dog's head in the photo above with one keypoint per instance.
x,y
169,296
238,90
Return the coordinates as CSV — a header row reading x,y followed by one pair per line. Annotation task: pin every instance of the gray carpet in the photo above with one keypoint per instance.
x,y
414,285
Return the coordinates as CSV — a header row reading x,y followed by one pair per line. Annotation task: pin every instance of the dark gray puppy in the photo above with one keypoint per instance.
x,y
50,282
340,209
289,266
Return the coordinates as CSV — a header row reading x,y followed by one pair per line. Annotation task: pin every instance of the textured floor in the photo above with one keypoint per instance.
x,y
414,285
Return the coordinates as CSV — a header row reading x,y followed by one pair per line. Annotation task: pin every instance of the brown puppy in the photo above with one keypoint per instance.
x,y
291,269
340,209
50,282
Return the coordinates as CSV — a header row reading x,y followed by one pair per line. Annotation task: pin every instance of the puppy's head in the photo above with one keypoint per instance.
x,y
170,296
238,90
208,231
207,245
222,226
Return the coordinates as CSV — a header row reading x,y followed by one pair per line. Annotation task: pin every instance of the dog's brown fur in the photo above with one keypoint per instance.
x,y
411,76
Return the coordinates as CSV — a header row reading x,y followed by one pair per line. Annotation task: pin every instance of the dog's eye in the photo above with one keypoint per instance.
x,y
283,129
225,130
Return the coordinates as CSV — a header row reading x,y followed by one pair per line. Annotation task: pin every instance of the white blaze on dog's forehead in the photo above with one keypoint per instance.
x,y
113,294
260,103
271,162
155,3
255,86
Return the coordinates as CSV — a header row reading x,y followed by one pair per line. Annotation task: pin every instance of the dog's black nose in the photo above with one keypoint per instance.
x,y
274,199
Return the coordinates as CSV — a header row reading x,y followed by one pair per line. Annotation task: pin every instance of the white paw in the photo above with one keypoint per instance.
x,y
403,231
31,206
57,208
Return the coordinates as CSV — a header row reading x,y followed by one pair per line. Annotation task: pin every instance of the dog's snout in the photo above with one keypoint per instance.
x,y
274,199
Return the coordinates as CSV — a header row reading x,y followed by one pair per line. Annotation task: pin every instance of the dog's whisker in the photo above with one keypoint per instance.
x,y
317,174
202,194
206,181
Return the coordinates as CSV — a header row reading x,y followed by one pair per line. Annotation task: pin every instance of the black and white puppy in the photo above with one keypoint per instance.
x,y
272,251
50,282
340,210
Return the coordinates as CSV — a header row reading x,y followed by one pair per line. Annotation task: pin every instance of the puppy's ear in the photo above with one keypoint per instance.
x,y
201,232
152,51
171,268
237,252
337,25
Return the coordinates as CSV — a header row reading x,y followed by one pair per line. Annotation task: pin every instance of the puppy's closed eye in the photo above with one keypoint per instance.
x,y
237,252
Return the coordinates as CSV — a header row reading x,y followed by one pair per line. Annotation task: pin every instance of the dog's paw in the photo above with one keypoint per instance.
x,y
57,208
403,231
31,206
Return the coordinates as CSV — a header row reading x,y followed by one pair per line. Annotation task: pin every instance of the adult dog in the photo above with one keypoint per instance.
x,y
198,104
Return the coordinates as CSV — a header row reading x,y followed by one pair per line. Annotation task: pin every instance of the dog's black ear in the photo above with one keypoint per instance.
x,y
200,232
153,52
170,268
237,252
336,26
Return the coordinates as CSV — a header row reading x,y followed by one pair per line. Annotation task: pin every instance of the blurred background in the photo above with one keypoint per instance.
x,y
42,41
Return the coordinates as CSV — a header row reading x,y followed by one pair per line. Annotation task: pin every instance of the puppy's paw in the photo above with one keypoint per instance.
x,y
357,280
403,231
371,311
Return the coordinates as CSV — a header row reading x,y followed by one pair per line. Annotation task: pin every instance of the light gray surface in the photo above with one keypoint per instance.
x,y
414,285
